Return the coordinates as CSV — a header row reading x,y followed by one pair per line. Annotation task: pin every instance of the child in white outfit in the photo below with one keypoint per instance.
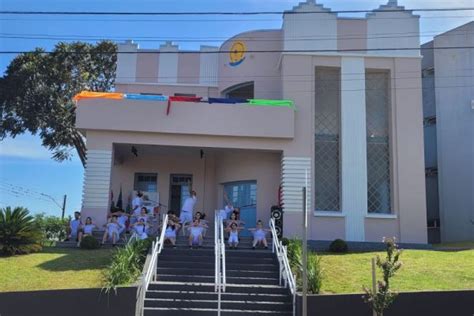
x,y
170,232
195,234
259,235
233,230
139,229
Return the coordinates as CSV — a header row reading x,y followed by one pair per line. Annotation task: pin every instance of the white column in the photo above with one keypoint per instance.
x,y
96,189
293,179
353,147
126,62
168,63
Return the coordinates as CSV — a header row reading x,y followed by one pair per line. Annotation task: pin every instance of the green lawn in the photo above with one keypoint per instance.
x,y
422,270
54,268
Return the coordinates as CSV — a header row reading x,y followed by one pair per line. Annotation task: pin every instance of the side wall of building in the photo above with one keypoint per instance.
x,y
454,73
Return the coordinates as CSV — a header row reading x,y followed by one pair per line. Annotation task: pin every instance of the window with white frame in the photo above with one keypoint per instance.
x,y
378,141
327,141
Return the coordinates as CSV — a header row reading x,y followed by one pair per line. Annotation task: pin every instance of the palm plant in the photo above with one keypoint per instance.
x,y
19,233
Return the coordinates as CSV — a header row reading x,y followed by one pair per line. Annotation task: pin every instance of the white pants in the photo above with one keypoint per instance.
x,y
185,217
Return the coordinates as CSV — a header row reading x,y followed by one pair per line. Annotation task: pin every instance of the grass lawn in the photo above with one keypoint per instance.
x,y
54,268
422,270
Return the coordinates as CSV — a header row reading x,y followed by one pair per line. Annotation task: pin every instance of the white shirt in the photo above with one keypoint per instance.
x,y
137,203
188,205
75,223
88,229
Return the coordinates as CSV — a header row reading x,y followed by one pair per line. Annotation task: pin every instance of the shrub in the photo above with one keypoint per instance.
x,y
285,241
314,270
294,251
53,227
315,273
18,232
338,246
90,242
127,264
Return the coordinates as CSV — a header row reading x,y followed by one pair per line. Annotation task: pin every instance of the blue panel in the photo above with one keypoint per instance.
x,y
243,194
145,97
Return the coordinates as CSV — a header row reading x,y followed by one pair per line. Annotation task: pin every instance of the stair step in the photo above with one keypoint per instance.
x,y
210,272
209,287
203,295
188,264
225,304
152,311
210,279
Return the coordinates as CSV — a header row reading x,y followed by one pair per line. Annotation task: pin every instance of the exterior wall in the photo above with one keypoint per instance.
x,y
384,31
188,68
209,174
147,66
187,118
310,31
267,80
454,70
408,221
352,34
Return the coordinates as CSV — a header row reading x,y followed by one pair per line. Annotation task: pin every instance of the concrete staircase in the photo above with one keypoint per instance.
x,y
185,282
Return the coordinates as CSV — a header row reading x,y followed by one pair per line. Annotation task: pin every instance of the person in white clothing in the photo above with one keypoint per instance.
x,y
186,215
259,235
122,220
74,227
233,231
137,204
87,230
170,232
195,234
139,229
112,231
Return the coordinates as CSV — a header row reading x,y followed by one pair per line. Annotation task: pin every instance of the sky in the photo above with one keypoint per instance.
x,y
28,176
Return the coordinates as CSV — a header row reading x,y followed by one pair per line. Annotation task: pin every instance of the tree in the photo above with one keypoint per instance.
x,y
19,233
383,296
37,89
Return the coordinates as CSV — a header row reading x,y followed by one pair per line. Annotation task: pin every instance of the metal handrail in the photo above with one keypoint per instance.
x,y
150,273
219,250
284,265
222,244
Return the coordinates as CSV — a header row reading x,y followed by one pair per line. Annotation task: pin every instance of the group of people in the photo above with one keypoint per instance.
x,y
196,225
140,221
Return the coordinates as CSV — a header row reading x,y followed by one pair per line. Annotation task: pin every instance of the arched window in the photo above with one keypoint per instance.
x,y
243,90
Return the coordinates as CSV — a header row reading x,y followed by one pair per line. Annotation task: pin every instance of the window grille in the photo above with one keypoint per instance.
x,y
327,130
378,145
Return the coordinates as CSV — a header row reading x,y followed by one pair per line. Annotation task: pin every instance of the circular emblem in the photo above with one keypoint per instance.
x,y
237,53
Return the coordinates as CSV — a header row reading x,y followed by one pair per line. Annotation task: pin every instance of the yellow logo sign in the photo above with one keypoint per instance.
x,y
237,53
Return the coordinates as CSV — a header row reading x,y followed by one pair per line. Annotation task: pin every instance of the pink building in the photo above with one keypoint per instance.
x,y
354,137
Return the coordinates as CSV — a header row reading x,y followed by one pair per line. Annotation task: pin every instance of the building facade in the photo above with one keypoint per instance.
x,y
354,137
448,109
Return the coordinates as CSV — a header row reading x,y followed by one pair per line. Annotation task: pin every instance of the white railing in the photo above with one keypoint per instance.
x,y
150,273
284,265
219,252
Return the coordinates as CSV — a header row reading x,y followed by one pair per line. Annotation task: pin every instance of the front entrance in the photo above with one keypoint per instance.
x,y
179,191
243,194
